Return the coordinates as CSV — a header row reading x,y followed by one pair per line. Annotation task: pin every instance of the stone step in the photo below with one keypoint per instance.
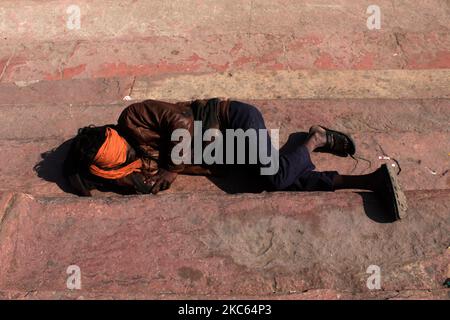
x,y
201,245
406,130
423,116
117,38
225,53
313,294
315,64
34,166
306,84
83,91
123,19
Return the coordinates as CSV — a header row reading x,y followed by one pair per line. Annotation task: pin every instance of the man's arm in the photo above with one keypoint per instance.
x,y
148,123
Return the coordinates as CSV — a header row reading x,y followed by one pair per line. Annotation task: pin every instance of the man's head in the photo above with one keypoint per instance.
x,y
99,156
112,158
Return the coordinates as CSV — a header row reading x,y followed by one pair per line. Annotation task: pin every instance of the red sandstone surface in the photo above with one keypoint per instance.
x,y
204,238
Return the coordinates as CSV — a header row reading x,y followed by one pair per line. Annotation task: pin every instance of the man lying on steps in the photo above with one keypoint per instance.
x,y
143,153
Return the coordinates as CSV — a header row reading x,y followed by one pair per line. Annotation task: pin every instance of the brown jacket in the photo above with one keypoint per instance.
x,y
148,125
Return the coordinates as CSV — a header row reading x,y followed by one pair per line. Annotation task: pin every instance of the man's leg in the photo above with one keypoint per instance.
x,y
292,163
296,170
314,181
382,181
369,181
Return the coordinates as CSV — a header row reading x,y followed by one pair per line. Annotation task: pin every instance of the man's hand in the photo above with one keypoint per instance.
x,y
161,181
134,182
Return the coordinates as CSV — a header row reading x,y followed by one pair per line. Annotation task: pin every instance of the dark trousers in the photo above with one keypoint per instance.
x,y
296,171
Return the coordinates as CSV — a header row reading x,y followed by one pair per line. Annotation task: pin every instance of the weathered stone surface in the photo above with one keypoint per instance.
x,y
36,168
117,38
307,84
202,245
126,19
62,120
314,294
228,52
407,130
284,84
388,88
68,92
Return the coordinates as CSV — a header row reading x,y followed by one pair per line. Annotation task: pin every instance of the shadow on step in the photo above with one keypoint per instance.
x,y
375,210
50,166
372,206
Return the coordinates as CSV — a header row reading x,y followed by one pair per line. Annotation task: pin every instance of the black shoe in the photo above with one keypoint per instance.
x,y
338,143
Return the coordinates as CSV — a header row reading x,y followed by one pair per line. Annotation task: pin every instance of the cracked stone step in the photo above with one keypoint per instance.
x,y
190,18
306,84
350,115
387,87
228,37
124,19
423,158
316,294
238,245
64,92
159,55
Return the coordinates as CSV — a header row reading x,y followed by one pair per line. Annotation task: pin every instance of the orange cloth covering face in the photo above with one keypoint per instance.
x,y
112,154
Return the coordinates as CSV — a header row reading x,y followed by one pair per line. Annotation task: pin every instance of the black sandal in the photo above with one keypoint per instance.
x,y
338,143
392,194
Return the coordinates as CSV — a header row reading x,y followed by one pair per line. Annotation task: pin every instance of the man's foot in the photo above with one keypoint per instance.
x,y
333,142
386,186
317,138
